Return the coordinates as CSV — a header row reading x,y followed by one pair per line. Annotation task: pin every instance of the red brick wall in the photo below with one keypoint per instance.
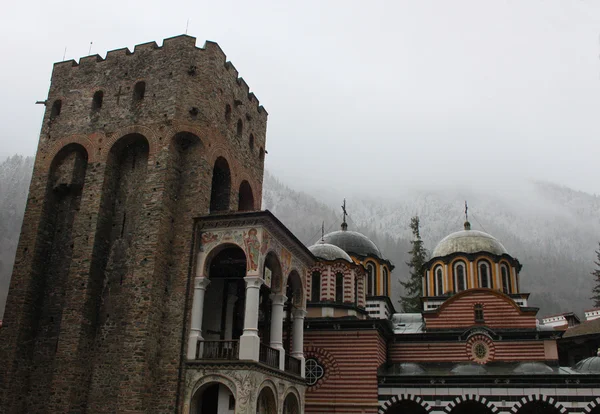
x,y
351,359
457,351
499,312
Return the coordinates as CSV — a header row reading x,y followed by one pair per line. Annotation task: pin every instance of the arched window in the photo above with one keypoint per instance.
x,y
251,142
240,127
478,310
356,291
221,186
56,108
370,279
439,281
460,277
97,100
339,287
227,112
385,282
246,199
505,279
315,288
139,90
484,275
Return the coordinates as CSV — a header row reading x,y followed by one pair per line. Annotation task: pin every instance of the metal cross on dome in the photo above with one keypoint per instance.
x,y
344,224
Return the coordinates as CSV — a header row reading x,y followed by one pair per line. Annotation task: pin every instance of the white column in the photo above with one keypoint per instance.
x,y
249,341
298,337
446,279
497,278
472,276
231,299
200,284
278,300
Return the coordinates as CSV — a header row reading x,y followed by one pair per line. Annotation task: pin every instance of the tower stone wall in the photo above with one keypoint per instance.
x,y
98,299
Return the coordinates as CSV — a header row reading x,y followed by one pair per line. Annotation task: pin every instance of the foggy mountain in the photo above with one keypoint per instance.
x,y
552,230
15,175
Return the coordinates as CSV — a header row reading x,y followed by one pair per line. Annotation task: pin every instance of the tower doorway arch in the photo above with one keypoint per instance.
x,y
213,398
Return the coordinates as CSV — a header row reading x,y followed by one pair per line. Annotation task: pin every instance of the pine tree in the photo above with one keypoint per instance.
x,y
596,274
413,287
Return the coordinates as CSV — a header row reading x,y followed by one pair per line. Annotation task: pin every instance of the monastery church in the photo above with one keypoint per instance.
x,y
148,279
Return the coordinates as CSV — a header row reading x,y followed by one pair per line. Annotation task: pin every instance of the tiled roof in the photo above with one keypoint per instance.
x,y
585,328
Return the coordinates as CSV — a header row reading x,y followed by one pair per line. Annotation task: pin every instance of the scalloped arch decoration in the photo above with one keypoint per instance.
x,y
538,397
403,397
471,397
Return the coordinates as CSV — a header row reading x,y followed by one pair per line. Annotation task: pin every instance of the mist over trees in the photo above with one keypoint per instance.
x,y
15,175
551,229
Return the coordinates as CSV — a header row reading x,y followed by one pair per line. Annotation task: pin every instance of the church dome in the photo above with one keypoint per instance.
x,y
353,242
468,241
589,365
328,251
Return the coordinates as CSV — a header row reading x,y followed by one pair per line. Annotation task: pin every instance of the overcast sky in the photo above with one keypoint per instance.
x,y
390,94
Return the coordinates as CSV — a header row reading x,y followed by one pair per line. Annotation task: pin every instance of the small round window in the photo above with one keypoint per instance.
x,y
313,371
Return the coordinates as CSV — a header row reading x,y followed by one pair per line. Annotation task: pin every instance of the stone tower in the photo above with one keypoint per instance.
x,y
132,148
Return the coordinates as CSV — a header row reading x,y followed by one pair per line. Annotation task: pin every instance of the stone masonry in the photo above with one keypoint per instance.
x,y
132,148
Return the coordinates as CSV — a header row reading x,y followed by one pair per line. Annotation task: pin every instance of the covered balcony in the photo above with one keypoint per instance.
x,y
249,287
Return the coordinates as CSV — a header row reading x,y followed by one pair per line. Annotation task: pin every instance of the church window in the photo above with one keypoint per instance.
x,y
484,275
370,279
460,278
339,287
479,313
139,90
240,127
439,281
385,282
315,293
97,100
313,371
56,107
356,291
505,279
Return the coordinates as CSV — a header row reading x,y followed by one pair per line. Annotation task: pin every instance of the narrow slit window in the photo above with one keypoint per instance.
x,y
370,279
339,287
97,100
56,108
385,282
479,313
240,127
251,142
484,275
139,90
439,282
227,112
505,280
316,287
461,281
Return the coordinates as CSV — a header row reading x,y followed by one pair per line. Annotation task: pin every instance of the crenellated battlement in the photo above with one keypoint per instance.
x,y
142,54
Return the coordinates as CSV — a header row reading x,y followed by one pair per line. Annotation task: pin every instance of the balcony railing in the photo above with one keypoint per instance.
x,y
292,364
227,350
269,356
